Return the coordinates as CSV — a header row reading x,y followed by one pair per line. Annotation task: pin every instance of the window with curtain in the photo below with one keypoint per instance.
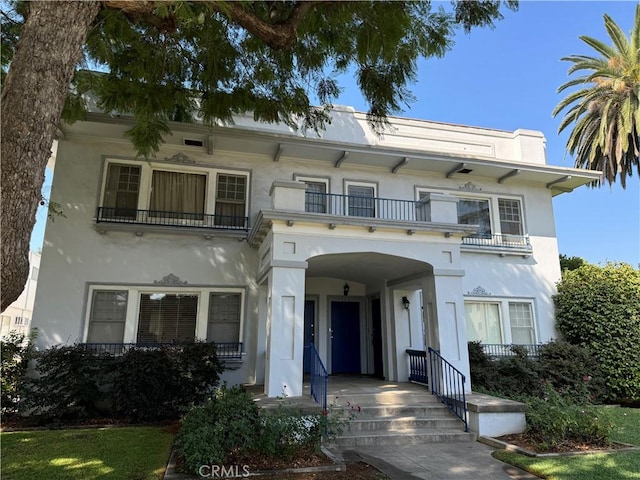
x,y
361,201
315,198
121,191
231,192
510,217
483,322
224,318
475,212
521,319
177,195
107,316
167,317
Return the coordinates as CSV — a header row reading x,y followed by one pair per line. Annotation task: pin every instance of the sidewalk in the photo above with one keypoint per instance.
x,y
438,461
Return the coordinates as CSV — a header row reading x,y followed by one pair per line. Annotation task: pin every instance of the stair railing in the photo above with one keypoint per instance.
x,y
319,378
447,383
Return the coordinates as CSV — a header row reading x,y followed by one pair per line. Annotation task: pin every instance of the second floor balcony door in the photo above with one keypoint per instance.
x,y
361,201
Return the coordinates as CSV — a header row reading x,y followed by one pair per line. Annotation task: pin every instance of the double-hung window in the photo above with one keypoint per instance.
x,y
224,317
165,194
510,216
361,199
521,319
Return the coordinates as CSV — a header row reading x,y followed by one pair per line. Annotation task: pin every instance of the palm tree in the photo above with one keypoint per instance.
x,y
606,111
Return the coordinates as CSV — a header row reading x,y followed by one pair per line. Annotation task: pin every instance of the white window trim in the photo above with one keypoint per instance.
x,y
133,306
505,319
146,176
494,209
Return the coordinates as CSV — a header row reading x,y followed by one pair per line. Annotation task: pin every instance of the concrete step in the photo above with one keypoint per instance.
x,y
399,424
406,410
401,437
402,397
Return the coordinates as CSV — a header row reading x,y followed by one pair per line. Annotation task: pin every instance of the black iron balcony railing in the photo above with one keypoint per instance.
x,y
500,350
368,207
498,240
225,351
170,219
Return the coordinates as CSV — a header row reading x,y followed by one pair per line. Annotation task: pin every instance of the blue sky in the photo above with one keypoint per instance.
x,y
506,78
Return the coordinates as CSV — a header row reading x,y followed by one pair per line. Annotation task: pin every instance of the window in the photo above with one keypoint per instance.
x,y
361,200
475,212
177,195
121,190
166,317
521,319
21,321
315,198
224,318
163,194
164,314
230,200
510,218
483,322
108,316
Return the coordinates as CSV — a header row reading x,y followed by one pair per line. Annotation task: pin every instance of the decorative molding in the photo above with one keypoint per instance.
x,y
170,279
470,187
479,291
180,158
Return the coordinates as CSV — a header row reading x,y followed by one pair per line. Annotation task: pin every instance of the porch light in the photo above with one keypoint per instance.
x,y
406,303
346,289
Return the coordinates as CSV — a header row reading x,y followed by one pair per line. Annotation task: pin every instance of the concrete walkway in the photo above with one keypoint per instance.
x,y
439,461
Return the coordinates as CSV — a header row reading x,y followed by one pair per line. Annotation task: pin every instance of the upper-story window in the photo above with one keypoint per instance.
x,y
361,199
510,216
315,198
160,194
475,212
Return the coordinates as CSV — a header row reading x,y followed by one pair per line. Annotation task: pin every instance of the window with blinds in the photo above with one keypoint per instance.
x,y
108,316
224,318
167,317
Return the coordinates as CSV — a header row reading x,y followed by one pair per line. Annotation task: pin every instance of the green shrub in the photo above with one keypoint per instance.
x,y
154,384
15,351
286,431
224,425
598,307
67,384
555,420
572,370
73,383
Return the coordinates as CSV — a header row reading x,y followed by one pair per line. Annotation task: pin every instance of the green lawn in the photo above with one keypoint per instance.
x,y
618,466
127,453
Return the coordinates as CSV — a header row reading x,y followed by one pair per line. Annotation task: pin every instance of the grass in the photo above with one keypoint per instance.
x,y
617,466
127,453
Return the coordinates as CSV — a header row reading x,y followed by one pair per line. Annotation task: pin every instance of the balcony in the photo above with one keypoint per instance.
x,y
224,351
502,244
108,218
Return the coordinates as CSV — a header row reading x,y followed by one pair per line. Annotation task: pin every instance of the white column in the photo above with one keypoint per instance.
x,y
285,330
451,326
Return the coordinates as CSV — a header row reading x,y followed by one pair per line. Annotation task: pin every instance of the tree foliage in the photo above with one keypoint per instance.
x,y
207,60
571,263
605,111
599,307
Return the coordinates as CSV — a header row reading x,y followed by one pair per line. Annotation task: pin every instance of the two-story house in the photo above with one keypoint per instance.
x,y
263,240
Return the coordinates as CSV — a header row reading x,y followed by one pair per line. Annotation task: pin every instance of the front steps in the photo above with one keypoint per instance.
x,y
408,414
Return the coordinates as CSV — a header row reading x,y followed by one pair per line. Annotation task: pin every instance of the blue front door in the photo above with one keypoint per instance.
x,y
345,337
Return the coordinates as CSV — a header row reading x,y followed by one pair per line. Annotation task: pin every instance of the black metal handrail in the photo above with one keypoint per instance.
x,y
498,240
224,351
447,383
500,350
418,367
368,207
170,219
319,380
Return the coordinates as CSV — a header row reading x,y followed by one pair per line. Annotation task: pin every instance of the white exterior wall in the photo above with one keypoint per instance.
x,y
76,255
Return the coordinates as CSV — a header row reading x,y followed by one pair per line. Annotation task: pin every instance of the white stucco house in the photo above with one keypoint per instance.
x,y
17,316
265,240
